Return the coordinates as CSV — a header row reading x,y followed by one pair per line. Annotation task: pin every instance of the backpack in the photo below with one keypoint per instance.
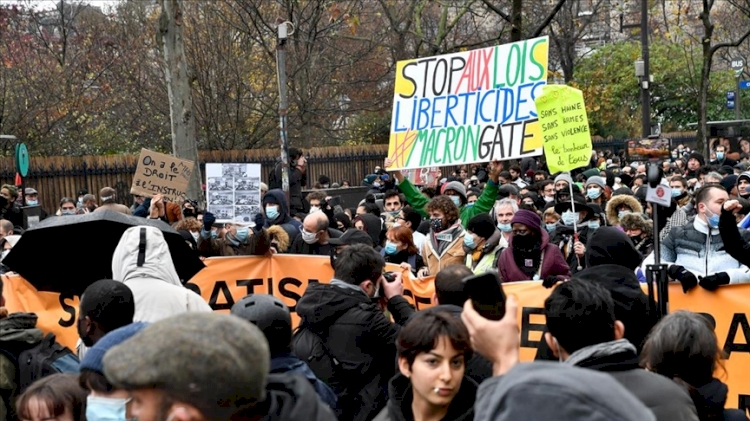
x,y
310,347
41,360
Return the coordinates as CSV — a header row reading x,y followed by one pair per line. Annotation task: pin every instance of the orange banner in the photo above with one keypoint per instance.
x,y
225,280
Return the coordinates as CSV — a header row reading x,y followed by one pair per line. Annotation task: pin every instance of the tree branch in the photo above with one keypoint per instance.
x,y
548,19
739,41
496,10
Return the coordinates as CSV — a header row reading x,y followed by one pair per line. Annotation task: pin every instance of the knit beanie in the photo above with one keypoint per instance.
x,y
599,181
698,157
729,182
94,356
482,225
745,175
528,218
455,186
564,177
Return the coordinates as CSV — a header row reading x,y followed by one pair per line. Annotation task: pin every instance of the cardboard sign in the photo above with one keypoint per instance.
x,y
466,107
225,280
565,128
158,173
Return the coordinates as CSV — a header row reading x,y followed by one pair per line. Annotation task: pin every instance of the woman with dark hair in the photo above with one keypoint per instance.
x,y
530,255
432,352
445,242
343,222
58,397
683,347
400,249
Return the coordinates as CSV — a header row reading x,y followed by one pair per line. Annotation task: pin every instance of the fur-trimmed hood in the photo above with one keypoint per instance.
x,y
615,203
636,220
276,233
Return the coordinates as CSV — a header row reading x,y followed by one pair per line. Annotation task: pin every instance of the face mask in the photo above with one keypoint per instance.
x,y
314,209
676,192
569,217
456,200
32,202
436,224
593,193
376,185
309,237
719,155
242,234
195,235
713,219
105,409
188,213
91,208
620,214
396,224
390,248
469,241
80,200
214,234
504,227
549,198
594,225
550,227
470,204
68,212
272,212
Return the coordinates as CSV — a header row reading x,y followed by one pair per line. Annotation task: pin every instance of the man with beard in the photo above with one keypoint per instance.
x,y
105,306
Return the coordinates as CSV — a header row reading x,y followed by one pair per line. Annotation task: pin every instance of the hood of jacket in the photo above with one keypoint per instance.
x,y
615,202
322,304
373,226
157,260
280,236
616,355
291,397
609,245
632,305
400,400
280,198
710,398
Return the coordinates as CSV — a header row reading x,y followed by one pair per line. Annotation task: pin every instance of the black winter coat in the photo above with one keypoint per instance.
x,y
361,338
400,396
290,397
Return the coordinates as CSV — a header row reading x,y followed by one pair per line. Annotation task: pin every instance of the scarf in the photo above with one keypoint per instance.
x,y
454,232
600,350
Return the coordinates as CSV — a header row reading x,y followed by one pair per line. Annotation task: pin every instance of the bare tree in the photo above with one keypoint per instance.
x,y
180,95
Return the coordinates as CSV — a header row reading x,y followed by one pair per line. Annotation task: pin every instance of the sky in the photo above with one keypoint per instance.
x,y
50,4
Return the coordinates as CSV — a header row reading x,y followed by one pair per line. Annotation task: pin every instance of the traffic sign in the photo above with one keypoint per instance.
x,y
745,84
730,95
22,159
738,65
730,105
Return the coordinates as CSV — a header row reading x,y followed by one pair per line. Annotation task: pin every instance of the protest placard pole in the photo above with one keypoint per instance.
x,y
575,221
281,77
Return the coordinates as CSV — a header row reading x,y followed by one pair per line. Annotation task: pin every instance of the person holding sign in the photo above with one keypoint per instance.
x,y
456,191
238,241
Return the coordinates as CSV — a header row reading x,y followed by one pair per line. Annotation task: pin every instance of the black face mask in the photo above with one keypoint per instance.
x,y
437,224
188,213
526,242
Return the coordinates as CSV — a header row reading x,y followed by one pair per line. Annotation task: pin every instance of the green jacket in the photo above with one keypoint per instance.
x,y
483,205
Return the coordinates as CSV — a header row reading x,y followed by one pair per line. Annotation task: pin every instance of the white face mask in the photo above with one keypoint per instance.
x,y
195,235
309,237
314,209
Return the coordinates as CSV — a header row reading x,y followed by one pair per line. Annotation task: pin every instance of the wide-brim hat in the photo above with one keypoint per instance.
x,y
580,204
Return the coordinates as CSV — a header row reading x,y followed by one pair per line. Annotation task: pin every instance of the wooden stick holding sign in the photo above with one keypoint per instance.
x,y
158,173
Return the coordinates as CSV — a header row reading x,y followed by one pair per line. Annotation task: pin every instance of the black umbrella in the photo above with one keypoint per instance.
x,y
69,253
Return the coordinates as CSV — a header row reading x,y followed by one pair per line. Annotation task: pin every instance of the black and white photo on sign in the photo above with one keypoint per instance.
x,y
233,191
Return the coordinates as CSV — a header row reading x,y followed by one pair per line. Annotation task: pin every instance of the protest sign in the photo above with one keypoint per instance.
x,y
158,173
233,192
225,280
565,128
466,107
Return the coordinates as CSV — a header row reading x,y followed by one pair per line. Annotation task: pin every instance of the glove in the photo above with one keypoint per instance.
x,y
208,221
686,278
258,220
712,282
549,281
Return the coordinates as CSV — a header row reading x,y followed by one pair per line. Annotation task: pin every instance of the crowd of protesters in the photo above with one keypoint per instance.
x,y
152,349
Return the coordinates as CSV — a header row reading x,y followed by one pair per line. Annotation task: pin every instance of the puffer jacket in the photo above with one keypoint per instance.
x,y
157,289
360,337
615,202
702,253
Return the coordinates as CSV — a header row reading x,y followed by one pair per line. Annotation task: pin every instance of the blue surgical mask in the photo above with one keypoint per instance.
x,y
676,192
214,234
469,241
719,155
272,212
593,193
456,200
504,227
620,214
390,248
470,204
550,227
713,219
68,212
242,234
32,202
594,225
105,409
569,217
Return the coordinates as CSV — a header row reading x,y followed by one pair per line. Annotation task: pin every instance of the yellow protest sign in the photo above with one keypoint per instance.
x,y
565,128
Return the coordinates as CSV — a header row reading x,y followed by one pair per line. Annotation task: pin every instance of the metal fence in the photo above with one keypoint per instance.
x,y
58,177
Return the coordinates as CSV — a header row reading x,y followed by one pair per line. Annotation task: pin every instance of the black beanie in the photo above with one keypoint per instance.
x,y
482,225
698,157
